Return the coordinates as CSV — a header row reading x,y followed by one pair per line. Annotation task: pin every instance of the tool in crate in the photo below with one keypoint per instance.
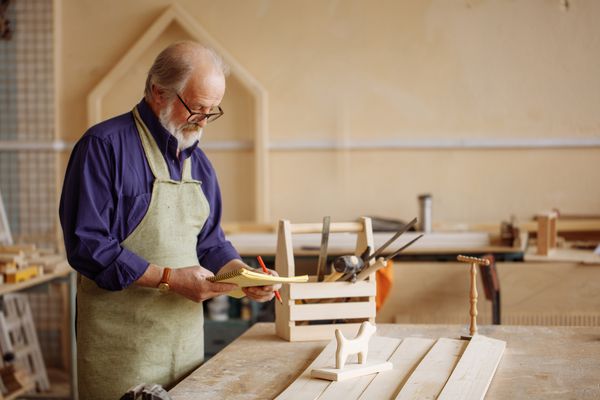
x,y
356,269
145,391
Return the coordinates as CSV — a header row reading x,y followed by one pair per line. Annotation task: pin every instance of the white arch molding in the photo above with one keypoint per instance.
x,y
175,13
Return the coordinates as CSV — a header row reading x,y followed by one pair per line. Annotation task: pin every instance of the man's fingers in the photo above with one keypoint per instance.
x,y
222,287
259,291
258,295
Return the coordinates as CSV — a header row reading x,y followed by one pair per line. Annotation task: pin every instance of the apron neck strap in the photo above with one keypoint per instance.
x,y
154,156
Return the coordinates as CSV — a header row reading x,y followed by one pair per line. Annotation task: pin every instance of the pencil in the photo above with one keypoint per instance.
x,y
265,270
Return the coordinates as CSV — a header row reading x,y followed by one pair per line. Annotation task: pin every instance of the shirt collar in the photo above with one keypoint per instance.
x,y
165,141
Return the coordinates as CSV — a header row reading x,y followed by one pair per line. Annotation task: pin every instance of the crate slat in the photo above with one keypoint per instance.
x,y
322,332
339,227
327,290
324,311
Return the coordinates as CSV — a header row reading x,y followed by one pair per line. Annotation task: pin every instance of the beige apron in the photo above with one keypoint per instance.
x,y
139,335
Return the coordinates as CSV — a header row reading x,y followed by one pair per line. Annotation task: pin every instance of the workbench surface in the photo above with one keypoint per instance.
x,y
539,362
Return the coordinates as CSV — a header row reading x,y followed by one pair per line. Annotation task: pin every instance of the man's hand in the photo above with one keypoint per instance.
x,y
256,293
190,282
262,293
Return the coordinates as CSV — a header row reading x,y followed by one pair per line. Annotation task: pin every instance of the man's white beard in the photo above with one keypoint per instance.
x,y
186,134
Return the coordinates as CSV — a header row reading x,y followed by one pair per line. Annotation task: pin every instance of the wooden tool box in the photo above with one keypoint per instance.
x,y
314,310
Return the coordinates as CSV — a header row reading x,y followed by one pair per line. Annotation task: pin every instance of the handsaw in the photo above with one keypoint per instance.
x,y
323,253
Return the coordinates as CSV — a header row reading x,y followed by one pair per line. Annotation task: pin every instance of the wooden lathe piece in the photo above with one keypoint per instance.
x,y
473,292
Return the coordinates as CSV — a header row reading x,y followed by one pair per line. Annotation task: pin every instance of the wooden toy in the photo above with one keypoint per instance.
x,y
359,345
346,347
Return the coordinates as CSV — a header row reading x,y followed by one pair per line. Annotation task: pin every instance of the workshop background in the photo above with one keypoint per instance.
x,y
490,106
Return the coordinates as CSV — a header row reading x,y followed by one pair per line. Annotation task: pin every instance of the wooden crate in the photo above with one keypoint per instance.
x,y
314,310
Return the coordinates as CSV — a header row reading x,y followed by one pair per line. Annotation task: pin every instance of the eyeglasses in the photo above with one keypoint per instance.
x,y
197,117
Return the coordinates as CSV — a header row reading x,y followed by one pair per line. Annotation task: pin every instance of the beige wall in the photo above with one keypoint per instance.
x,y
530,294
359,71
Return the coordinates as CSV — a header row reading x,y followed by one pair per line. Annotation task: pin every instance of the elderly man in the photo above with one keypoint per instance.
x,y
140,212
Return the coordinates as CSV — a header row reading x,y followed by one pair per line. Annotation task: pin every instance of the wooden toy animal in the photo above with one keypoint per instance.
x,y
359,345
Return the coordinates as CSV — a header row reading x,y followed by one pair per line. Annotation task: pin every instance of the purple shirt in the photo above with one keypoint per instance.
x,y
106,193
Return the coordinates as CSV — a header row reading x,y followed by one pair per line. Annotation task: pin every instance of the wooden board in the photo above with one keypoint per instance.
x,y
473,373
311,388
422,369
405,359
428,379
352,371
332,311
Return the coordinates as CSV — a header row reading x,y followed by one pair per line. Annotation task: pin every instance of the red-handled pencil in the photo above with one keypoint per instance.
x,y
266,271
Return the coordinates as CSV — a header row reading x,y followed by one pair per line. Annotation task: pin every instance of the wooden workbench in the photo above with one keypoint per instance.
x,y
252,244
539,362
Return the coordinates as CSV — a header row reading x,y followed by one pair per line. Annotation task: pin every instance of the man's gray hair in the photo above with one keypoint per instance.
x,y
172,67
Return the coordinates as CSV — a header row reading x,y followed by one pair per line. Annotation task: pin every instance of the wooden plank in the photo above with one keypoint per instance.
x,y
305,387
318,332
380,348
474,372
334,227
321,290
364,238
370,368
543,235
305,312
428,380
284,265
405,359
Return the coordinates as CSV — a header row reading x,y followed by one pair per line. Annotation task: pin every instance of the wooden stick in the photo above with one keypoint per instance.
x,y
473,301
370,269
334,276
473,292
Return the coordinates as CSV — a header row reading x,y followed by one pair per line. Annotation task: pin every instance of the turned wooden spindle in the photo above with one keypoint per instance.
x,y
473,293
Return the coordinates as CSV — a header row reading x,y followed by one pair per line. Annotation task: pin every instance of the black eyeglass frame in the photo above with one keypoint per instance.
x,y
210,117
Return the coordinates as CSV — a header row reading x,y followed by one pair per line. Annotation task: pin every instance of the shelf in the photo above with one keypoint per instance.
x,y
60,387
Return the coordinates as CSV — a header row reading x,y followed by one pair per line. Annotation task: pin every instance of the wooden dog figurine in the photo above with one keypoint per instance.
x,y
346,347
360,345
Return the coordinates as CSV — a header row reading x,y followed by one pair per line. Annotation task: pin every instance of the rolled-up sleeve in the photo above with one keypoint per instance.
x,y
87,207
